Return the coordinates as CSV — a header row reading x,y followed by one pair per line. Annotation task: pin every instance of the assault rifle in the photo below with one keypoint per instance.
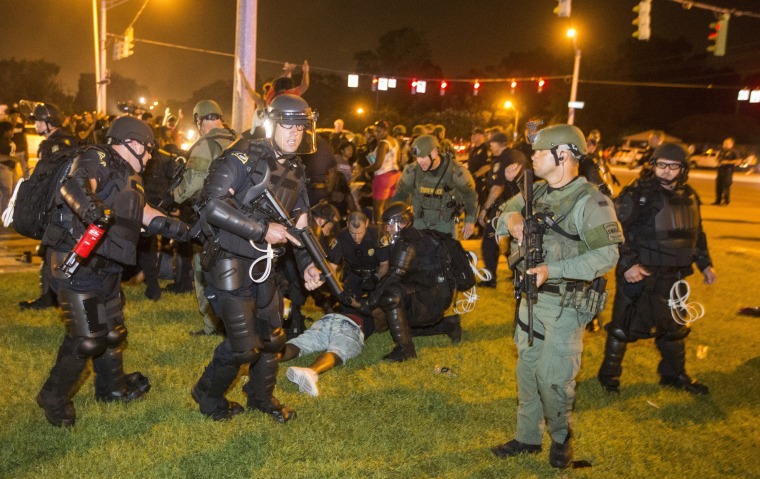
x,y
531,252
308,241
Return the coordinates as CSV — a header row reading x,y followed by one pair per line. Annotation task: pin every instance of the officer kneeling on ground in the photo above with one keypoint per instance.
x,y
417,292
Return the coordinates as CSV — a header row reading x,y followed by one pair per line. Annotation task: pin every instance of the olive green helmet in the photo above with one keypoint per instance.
x,y
206,107
423,145
556,135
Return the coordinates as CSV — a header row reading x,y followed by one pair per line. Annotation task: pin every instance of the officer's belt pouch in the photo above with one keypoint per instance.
x,y
210,253
58,237
589,298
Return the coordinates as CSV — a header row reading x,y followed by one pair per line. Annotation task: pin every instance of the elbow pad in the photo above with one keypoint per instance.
x,y
168,227
79,197
221,214
401,260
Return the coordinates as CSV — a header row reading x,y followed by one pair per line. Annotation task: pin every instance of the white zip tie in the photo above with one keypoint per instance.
x,y
8,213
683,313
268,257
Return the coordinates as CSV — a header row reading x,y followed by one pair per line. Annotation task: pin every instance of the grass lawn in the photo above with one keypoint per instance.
x,y
378,420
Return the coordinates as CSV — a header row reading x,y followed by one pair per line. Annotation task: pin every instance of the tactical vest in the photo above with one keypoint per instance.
x,y
563,241
434,198
669,237
284,181
123,193
425,268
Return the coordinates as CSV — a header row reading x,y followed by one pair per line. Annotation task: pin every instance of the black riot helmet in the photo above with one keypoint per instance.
x,y
396,217
127,128
287,113
49,113
673,152
326,211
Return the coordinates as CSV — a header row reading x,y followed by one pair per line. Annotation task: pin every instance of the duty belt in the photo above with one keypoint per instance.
x,y
570,286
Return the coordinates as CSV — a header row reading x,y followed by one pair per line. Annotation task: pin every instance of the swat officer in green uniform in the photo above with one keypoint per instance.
x,y
214,139
439,187
580,243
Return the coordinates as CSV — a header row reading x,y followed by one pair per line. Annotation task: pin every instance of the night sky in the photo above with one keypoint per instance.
x,y
461,34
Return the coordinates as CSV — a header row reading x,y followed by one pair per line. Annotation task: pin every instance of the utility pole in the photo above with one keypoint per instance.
x,y
243,104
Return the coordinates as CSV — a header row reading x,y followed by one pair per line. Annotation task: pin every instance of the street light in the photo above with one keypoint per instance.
x,y
508,105
571,33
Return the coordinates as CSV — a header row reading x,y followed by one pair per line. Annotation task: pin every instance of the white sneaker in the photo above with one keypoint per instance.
x,y
305,378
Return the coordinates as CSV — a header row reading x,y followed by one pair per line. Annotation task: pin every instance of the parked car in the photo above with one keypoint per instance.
x,y
709,159
627,156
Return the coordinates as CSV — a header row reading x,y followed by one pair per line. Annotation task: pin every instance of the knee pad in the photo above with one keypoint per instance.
x,y
92,347
116,336
246,357
391,297
275,342
617,332
677,334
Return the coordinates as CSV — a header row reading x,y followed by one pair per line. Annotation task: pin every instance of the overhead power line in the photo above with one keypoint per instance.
x,y
688,4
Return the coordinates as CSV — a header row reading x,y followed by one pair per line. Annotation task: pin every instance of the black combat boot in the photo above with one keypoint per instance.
x,y
612,366
514,447
684,382
55,395
561,453
451,326
263,377
111,384
402,337
210,389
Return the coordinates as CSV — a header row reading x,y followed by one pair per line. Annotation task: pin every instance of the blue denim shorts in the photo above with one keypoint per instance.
x,y
333,333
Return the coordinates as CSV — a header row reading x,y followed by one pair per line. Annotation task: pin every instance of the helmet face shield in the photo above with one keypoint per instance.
x,y
393,229
291,124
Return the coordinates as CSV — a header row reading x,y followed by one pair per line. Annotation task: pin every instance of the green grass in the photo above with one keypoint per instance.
x,y
378,420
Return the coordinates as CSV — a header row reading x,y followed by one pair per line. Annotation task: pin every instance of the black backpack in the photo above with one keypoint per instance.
x,y
36,196
454,259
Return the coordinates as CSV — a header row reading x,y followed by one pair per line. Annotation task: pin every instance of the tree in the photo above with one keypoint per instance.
x,y
35,80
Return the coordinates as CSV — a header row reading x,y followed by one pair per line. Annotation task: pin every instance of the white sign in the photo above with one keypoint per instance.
x,y
578,105
353,81
421,86
382,84
743,94
754,96
391,83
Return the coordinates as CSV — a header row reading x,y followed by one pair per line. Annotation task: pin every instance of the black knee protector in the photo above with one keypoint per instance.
x,y
84,313
275,342
616,332
116,336
392,297
92,347
246,357
676,334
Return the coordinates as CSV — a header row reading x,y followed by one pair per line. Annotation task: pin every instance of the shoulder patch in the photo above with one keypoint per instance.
x,y
101,158
371,252
240,156
333,243
614,232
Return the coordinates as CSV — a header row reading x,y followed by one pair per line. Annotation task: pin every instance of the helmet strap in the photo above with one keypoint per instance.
x,y
139,157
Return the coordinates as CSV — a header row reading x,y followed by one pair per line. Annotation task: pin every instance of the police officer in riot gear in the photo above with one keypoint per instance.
x,y
357,248
240,229
56,147
661,220
103,181
416,292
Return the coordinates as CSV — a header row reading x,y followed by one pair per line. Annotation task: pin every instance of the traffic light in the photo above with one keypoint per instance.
x,y
374,83
475,88
118,49
128,47
719,35
643,21
541,84
513,85
444,84
562,10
